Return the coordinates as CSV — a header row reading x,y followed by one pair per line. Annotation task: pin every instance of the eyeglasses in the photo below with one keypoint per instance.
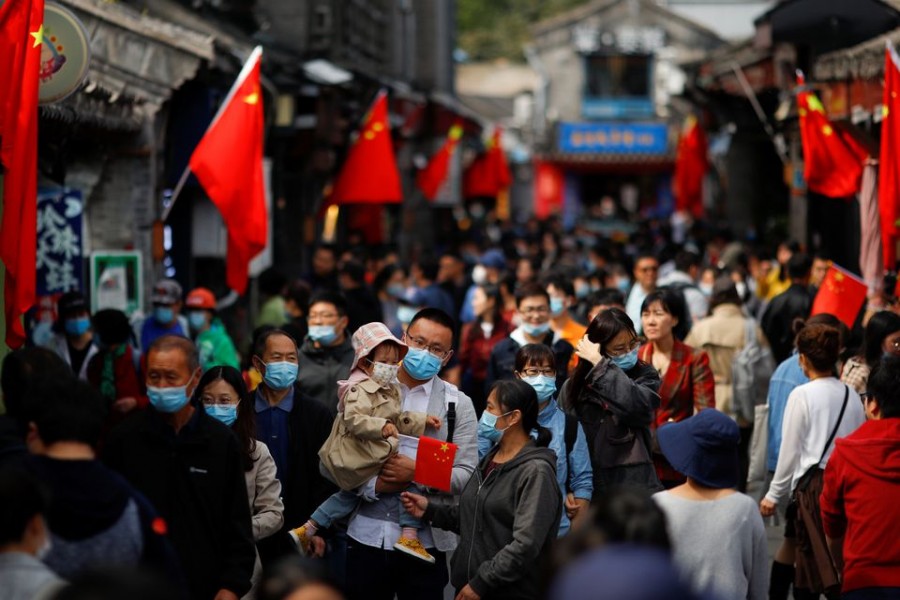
x,y
535,371
648,269
322,316
420,344
535,310
622,351
224,400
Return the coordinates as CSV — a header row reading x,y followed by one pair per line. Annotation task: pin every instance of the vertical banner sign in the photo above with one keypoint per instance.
x,y
116,281
59,241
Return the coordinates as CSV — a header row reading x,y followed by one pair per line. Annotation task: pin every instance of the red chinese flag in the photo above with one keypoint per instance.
x,y
430,179
489,173
889,158
833,160
690,168
370,175
228,162
434,463
549,185
841,294
21,38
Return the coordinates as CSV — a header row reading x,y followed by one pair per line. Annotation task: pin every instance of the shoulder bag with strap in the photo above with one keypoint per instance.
x,y
807,477
814,566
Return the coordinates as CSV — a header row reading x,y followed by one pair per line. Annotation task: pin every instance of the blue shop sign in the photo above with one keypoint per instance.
x,y
614,138
60,252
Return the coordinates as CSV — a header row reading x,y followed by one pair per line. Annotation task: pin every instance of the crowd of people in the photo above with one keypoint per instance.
x,y
608,430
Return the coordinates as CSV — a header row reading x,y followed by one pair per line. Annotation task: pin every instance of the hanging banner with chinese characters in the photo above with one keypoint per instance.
x,y
60,253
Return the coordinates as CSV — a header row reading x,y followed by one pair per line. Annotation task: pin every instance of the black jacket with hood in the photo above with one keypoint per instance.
x,y
506,523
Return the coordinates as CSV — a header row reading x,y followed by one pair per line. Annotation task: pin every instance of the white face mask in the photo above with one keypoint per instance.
x,y
384,374
479,274
741,288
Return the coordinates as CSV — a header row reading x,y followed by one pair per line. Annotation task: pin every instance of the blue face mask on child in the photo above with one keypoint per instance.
x,y
626,361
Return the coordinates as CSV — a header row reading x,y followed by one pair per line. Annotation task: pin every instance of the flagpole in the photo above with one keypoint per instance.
x,y
245,71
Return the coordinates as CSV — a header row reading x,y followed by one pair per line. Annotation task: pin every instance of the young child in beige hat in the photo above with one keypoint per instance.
x,y
365,434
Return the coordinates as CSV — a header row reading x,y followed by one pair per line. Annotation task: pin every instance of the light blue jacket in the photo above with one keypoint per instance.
x,y
573,472
786,377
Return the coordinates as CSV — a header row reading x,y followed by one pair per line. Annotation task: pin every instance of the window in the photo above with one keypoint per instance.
x,y
617,76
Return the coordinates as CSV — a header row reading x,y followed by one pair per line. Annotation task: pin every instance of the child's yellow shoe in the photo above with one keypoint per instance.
x,y
301,539
413,547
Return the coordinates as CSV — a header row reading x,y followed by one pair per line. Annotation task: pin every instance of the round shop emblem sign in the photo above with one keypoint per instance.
x,y
65,53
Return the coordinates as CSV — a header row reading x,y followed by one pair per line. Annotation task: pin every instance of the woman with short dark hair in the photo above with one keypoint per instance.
x,y
687,384
614,395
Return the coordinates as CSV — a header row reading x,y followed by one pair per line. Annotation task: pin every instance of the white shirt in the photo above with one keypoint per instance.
x,y
809,418
633,305
385,533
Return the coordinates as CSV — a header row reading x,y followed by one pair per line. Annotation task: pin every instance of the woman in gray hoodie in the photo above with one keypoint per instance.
x,y
508,514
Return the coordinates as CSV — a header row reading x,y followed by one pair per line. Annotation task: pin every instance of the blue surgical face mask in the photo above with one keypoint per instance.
x,y
324,334
536,330
624,285
226,413
543,385
78,326
405,314
280,375
421,365
169,399
487,427
557,306
197,319
397,290
626,361
163,314
582,291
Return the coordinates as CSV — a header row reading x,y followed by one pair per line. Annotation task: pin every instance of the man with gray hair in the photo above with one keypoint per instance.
x,y
189,466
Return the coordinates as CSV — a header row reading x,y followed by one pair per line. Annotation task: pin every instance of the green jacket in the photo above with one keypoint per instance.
x,y
216,348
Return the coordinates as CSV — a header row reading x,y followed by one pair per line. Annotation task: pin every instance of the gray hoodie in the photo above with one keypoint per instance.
x,y
506,523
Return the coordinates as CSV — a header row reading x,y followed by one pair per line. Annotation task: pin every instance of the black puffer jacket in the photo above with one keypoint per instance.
x,y
616,409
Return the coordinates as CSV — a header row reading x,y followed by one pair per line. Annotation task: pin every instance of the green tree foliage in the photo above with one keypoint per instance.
x,y
490,29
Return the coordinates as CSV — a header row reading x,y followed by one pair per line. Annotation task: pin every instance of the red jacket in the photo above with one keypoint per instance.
x,y
861,500
475,348
687,387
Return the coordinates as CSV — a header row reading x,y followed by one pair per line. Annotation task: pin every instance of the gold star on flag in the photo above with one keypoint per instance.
x,y
252,98
38,36
445,447
827,130
814,104
838,276
378,127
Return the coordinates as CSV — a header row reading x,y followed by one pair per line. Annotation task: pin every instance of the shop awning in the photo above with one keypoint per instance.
x,y
136,63
829,24
863,61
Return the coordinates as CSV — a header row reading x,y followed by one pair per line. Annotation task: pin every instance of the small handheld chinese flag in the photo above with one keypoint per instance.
x,y
841,294
434,463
